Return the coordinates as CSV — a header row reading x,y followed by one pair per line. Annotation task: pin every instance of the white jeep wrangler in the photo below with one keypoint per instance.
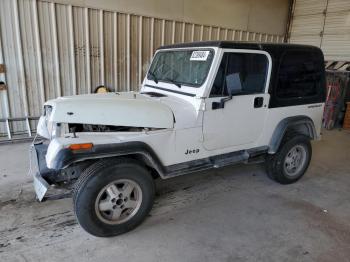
x,y
202,105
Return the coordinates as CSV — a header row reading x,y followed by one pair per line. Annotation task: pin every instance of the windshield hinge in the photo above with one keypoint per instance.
x,y
202,106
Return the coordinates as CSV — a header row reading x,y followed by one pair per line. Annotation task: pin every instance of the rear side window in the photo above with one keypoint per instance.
x,y
242,73
300,75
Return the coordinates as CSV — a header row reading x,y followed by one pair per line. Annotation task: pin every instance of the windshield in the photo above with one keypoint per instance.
x,y
181,67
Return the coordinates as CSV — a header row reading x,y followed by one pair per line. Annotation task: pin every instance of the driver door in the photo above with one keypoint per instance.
x,y
238,121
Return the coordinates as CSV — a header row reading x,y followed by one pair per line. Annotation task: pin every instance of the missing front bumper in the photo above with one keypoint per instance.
x,y
40,186
37,156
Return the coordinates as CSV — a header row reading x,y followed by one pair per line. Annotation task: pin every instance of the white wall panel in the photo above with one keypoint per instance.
x,y
336,48
305,39
52,49
324,23
13,61
308,25
338,6
309,7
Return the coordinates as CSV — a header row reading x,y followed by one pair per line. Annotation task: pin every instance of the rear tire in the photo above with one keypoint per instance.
x,y
291,161
113,196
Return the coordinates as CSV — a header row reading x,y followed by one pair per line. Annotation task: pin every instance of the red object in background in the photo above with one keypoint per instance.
x,y
334,98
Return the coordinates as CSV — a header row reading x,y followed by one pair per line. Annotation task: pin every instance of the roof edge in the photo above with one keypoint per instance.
x,y
236,44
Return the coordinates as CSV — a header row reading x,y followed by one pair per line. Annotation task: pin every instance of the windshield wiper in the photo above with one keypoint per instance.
x,y
173,82
154,78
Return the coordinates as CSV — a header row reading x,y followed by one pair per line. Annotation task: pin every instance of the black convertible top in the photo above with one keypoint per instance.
x,y
270,47
277,51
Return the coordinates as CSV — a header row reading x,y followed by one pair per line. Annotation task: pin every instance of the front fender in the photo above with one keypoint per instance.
x,y
66,157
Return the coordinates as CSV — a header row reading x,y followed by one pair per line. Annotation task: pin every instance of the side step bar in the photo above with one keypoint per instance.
x,y
216,161
229,159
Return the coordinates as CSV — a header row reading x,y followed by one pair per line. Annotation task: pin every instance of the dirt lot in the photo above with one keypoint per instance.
x,y
230,214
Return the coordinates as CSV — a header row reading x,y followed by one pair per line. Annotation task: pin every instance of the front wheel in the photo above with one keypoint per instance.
x,y
291,161
113,196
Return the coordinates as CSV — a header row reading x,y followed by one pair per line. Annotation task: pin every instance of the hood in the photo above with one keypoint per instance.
x,y
118,109
186,114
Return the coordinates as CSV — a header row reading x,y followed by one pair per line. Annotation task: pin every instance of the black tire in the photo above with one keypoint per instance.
x,y
275,163
95,178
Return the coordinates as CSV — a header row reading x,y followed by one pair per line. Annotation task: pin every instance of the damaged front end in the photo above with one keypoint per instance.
x,y
44,177
37,169
80,120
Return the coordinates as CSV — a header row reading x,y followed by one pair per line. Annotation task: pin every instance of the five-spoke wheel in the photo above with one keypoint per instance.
x,y
295,160
113,196
291,160
119,201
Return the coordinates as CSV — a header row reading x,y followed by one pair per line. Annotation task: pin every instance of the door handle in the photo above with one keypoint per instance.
x,y
258,102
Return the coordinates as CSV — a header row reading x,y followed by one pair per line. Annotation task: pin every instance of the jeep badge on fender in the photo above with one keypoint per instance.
x,y
192,151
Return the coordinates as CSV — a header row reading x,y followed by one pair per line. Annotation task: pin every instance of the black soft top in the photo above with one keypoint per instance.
x,y
268,47
277,52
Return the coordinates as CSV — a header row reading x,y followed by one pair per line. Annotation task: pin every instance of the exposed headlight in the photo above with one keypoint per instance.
x,y
49,129
56,130
42,128
47,112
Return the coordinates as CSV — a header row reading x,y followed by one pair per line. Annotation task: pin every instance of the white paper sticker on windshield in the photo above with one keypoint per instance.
x,y
199,55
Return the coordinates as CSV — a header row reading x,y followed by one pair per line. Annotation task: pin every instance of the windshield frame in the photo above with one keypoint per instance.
x,y
212,51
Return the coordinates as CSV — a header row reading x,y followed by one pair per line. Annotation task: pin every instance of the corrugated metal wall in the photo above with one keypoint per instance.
x,y
324,23
53,50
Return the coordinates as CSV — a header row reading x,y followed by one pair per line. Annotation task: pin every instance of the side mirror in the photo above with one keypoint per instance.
x,y
221,104
233,80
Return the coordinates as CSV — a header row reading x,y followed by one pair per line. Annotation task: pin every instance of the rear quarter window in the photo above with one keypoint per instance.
x,y
300,75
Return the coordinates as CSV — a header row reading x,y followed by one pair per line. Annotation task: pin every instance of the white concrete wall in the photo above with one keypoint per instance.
x,y
323,23
62,48
266,16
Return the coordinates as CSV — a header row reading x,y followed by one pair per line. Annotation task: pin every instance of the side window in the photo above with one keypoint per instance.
x,y
299,75
241,73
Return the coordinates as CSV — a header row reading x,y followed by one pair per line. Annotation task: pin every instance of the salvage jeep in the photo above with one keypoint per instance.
x,y
202,105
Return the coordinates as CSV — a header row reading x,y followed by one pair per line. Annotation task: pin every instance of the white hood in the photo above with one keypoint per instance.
x,y
118,109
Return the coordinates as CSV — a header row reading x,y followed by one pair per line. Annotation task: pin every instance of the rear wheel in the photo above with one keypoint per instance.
x,y
113,197
291,161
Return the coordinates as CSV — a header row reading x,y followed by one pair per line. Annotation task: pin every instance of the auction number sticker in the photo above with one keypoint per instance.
x,y
199,56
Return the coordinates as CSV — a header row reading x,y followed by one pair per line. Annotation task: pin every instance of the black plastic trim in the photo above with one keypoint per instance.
x,y
214,161
173,91
233,45
153,94
49,175
283,126
66,157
